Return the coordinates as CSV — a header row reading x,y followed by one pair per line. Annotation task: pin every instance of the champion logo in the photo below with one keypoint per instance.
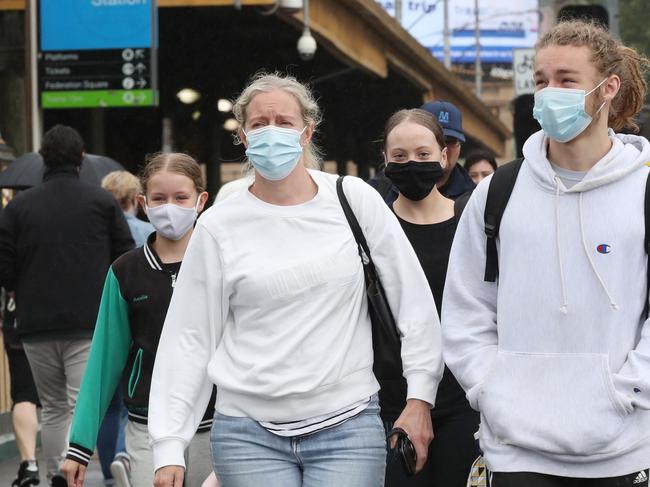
x,y
443,117
640,478
604,249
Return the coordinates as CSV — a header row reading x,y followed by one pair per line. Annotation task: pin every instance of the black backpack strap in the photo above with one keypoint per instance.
x,y
646,207
501,186
460,203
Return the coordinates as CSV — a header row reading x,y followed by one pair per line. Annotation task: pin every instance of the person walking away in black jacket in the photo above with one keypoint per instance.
x,y
57,241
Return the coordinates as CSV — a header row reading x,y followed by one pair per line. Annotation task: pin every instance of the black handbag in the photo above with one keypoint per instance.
x,y
386,342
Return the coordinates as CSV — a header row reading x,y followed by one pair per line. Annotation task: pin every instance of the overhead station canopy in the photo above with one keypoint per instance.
x,y
361,34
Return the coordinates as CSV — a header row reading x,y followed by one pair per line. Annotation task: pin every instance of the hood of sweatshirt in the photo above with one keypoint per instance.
x,y
628,153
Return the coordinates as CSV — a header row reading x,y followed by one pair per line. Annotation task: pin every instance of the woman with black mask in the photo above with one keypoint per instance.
x,y
415,156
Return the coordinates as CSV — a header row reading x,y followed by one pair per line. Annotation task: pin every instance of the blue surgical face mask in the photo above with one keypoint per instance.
x,y
274,151
561,112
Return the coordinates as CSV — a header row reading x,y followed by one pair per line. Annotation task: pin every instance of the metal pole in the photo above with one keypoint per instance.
x,y
35,113
398,11
445,35
612,8
477,66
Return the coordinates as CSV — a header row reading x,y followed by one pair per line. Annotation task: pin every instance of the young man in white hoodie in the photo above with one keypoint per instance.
x,y
556,354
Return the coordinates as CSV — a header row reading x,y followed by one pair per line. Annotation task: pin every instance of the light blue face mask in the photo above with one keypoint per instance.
x,y
561,112
274,151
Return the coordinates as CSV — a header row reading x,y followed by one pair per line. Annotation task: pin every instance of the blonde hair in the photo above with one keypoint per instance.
x,y
175,162
124,186
265,83
609,57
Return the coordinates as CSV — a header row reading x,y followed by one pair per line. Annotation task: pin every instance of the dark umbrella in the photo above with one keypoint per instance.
x,y
28,169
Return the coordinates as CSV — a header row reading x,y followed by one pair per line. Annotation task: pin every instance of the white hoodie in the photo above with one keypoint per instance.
x,y
556,356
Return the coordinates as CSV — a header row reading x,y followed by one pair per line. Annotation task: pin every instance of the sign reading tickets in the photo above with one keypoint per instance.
x,y
97,53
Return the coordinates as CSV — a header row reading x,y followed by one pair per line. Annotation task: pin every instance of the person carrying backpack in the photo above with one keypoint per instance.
x,y
545,325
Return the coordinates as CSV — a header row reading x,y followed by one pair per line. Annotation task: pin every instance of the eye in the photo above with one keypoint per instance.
x,y
540,82
257,124
424,155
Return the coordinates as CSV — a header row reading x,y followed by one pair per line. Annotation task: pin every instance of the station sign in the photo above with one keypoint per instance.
x,y
97,53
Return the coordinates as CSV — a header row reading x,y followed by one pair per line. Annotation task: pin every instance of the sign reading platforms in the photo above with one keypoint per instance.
x,y
97,53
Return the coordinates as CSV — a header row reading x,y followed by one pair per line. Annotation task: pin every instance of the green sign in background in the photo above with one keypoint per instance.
x,y
97,98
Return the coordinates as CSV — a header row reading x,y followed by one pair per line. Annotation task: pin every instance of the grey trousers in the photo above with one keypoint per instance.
x,y
198,459
57,366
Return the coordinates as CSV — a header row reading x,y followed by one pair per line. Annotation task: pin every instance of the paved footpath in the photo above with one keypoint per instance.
x,y
8,469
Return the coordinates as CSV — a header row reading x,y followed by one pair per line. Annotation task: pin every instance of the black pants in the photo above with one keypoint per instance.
x,y
450,457
23,388
527,479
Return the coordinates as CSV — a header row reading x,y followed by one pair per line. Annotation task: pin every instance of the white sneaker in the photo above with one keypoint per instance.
x,y
121,470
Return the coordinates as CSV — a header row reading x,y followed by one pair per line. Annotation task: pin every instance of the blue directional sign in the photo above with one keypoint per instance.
x,y
72,25
97,53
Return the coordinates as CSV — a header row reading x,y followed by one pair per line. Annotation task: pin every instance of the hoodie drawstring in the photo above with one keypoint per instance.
x,y
612,303
564,304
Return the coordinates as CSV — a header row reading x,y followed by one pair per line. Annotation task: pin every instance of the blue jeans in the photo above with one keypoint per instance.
x,y
110,439
352,454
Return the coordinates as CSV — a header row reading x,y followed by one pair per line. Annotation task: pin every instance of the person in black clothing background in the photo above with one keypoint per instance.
x,y
455,181
416,158
57,241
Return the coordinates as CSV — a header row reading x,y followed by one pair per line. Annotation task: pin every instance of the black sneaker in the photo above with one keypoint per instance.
x,y
58,480
26,476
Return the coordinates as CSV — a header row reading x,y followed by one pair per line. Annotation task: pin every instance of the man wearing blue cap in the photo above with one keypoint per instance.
x,y
456,180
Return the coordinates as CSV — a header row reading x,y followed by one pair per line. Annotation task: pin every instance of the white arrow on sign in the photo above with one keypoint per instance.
x,y
141,82
140,67
139,53
127,54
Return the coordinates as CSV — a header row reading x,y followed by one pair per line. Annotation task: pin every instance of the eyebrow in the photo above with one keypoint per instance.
x,y
559,71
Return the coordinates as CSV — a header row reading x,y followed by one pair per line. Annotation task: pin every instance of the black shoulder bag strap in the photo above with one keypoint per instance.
x,y
501,186
646,208
374,289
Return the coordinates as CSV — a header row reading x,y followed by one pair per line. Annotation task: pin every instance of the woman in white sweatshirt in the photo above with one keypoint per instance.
x,y
556,354
270,306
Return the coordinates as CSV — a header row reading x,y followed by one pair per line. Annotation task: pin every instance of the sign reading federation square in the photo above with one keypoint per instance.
x,y
97,53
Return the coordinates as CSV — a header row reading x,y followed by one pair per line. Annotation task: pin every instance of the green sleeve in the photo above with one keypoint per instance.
x,y
108,354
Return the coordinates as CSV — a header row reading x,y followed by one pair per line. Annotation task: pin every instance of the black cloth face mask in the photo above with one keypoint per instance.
x,y
415,180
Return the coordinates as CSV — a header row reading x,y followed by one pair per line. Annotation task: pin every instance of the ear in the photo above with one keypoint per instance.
x,y
142,200
203,197
309,132
242,137
610,87
443,158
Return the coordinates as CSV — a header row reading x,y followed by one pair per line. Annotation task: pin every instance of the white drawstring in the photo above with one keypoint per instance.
x,y
564,305
612,303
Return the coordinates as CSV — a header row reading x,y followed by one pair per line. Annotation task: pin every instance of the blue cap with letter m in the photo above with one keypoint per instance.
x,y
448,117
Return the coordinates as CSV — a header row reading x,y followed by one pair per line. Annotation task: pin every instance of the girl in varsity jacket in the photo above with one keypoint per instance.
x,y
134,303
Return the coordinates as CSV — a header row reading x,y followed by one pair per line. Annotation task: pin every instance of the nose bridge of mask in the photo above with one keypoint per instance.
x,y
270,128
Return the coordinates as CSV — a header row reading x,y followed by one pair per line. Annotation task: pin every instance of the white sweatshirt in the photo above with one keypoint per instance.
x,y
556,356
270,306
